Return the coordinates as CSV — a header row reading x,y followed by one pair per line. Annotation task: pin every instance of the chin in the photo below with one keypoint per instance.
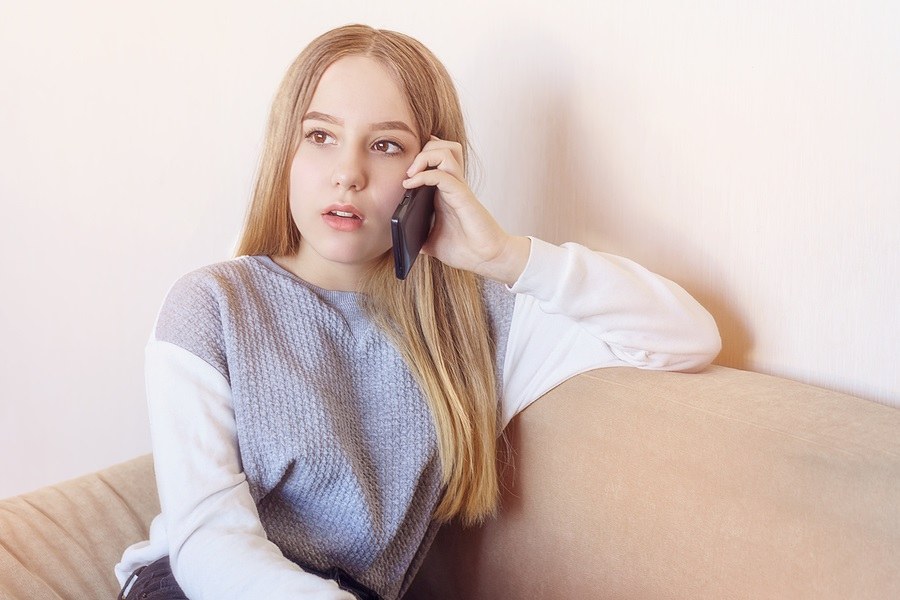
x,y
348,257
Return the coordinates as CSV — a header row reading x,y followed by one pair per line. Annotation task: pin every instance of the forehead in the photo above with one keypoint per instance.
x,y
358,89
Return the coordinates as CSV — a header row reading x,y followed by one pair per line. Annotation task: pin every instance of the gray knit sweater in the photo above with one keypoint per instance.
x,y
335,436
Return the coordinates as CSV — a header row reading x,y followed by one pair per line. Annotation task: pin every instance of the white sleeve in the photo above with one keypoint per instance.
x,y
217,546
578,310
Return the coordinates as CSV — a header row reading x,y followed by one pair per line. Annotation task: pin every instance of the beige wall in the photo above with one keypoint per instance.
x,y
750,152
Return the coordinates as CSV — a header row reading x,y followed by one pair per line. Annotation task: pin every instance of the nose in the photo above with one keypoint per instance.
x,y
350,170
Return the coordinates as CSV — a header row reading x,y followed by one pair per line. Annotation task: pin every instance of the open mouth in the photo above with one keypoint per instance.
x,y
343,215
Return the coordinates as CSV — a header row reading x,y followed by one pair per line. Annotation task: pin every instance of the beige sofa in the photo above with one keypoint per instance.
x,y
625,484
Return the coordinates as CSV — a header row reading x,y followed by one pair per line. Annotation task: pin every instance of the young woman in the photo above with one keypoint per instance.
x,y
313,417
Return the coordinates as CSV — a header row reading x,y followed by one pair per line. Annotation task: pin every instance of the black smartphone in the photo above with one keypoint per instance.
x,y
410,227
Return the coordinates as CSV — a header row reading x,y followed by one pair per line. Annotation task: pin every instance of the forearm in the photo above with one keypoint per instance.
x,y
646,319
578,310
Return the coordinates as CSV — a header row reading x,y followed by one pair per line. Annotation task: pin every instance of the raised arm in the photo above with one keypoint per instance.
x,y
577,310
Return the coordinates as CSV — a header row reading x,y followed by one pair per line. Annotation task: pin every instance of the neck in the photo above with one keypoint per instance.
x,y
324,274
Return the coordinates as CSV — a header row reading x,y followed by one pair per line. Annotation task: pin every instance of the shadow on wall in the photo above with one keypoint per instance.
x,y
548,164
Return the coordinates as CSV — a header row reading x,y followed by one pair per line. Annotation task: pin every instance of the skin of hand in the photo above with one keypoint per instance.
x,y
465,235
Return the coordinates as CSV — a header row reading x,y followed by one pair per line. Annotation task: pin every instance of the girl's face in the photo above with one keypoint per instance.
x,y
358,140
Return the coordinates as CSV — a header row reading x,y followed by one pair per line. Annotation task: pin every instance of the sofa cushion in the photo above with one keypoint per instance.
x,y
63,541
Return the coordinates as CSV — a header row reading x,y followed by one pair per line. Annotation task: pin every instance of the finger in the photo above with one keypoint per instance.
x,y
442,179
455,147
441,158
445,161
452,193
436,144
436,141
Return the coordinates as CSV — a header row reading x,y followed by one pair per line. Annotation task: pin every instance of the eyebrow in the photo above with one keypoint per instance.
x,y
382,126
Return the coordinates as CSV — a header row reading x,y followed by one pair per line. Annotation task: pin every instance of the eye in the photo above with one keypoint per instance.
x,y
319,137
387,147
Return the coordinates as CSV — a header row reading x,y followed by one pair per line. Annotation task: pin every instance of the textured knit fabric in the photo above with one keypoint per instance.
x,y
335,436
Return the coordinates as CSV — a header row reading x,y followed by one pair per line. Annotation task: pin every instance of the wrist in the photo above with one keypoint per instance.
x,y
507,265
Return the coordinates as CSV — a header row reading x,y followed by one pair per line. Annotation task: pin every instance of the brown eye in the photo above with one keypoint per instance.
x,y
319,137
387,147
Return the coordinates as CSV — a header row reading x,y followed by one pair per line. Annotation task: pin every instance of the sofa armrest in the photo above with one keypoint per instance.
x,y
724,484
63,541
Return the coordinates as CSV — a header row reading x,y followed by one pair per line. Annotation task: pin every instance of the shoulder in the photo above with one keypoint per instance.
x,y
217,278
219,285
195,306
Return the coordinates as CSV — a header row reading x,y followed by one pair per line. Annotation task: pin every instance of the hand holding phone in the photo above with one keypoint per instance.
x,y
410,227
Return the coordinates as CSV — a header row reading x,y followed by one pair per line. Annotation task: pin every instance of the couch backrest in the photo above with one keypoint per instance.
x,y
724,484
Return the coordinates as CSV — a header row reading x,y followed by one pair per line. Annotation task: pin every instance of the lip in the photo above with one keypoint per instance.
x,y
347,208
344,224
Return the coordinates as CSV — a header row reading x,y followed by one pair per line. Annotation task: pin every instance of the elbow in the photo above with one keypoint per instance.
x,y
689,353
706,347
683,361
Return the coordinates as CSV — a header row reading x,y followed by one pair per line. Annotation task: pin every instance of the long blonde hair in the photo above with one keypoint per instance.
x,y
436,317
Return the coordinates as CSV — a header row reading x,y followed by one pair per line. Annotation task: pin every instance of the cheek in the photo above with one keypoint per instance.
x,y
303,177
390,188
389,197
